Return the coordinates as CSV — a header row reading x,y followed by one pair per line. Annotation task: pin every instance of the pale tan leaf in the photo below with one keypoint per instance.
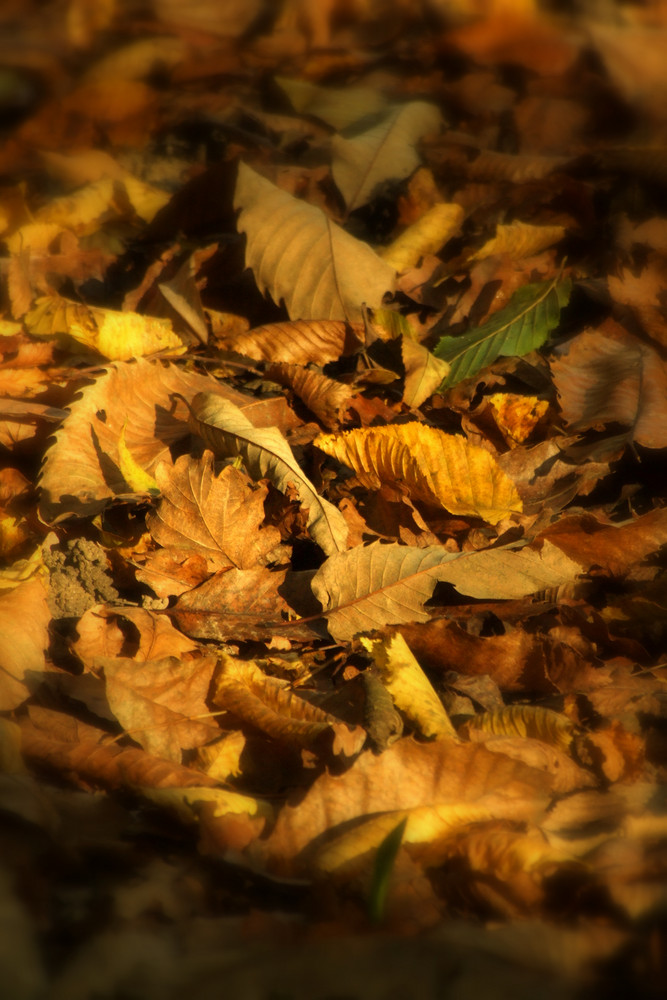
x,y
323,396
106,632
443,470
337,107
368,587
266,453
423,372
300,342
219,516
409,686
300,256
425,236
386,151
81,471
520,239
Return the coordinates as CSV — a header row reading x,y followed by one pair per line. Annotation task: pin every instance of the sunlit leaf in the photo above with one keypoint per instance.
x,y
443,470
425,236
527,720
520,239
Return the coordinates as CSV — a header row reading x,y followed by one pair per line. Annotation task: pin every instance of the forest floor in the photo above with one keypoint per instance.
x,y
333,423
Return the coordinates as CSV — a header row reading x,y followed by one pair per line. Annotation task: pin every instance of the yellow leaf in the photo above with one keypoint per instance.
x,y
443,470
517,416
425,236
222,760
409,686
136,478
185,802
423,371
121,336
53,314
520,239
527,720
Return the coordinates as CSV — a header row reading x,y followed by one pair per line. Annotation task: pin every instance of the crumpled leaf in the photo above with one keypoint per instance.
x,y
300,256
522,326
266,453
325,397
121,336
269,705
376,585
425,236
81,472
409,686
520,239
608,376
299,342
220,517
442,470
386,151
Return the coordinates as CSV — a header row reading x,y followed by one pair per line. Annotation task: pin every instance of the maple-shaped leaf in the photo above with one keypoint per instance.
x,y
386,151
266,453
425,236
220,517
338,107
609,376
443,470
81,471
368,587
300,256
522,326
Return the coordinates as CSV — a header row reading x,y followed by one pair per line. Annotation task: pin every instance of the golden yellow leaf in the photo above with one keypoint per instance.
x,y
527,720
423,371
53,314
441,469
517,416
186,802
520,239
427,235
222,759
134,475
121,336
409,686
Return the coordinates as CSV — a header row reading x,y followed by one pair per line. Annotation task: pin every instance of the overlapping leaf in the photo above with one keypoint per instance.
x,y
376,585
523,326
266,453
386,151
300,256
440,469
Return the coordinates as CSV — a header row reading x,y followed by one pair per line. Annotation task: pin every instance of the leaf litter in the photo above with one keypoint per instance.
x,y
333,611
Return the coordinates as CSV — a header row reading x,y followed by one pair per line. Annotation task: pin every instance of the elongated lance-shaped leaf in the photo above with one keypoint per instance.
x,y
522,326
266,453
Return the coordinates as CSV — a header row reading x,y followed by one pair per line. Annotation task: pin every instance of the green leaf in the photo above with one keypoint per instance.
x,y
382,868
522,326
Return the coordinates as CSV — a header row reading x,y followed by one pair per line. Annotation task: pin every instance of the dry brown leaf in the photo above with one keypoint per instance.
x,y
159,703
442,470
368,587
526,720
609,376
220,517
566,776
300,256
323,396
338,107
268,704
611,549
107,632
407,775
81,472
300,342
22,649
266,453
